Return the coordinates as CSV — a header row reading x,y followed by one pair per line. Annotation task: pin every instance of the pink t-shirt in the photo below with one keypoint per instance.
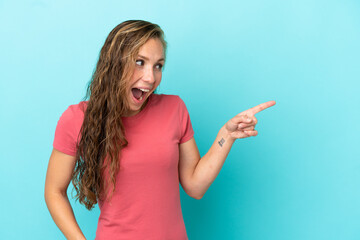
x,y
146,201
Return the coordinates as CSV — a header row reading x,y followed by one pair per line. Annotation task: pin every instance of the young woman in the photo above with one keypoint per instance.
x,y
128,148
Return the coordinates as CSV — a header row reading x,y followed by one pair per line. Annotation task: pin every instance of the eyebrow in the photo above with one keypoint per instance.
x,y
161,59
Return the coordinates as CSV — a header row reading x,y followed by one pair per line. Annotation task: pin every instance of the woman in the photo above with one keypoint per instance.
x,y
128,148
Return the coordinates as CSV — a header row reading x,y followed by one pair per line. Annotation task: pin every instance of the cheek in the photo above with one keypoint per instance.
x,y
158,76
134,77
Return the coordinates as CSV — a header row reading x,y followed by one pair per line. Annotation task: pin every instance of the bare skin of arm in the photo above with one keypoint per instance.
x,y
58,177
198,173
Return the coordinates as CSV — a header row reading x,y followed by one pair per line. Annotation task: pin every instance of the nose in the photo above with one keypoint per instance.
x,y
148,75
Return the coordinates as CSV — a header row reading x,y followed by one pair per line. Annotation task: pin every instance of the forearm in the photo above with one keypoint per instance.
x,y
211,163
63,215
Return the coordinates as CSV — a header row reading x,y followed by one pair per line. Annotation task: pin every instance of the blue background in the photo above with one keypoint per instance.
x,y
298,179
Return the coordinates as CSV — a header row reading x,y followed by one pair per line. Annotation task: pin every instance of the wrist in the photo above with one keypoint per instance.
x,y
226,135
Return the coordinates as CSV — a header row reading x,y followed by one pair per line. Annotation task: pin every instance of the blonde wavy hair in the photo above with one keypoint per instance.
x,y
102,132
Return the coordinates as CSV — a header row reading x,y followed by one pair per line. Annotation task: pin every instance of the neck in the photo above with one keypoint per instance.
x,y
127,114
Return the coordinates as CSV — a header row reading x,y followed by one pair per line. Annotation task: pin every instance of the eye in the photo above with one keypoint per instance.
x,y
158,66
139,62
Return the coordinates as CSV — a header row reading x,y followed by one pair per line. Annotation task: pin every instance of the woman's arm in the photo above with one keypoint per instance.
x,y
197,174
58,177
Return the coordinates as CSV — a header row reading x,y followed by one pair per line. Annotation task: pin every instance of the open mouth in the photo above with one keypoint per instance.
x,y
139,93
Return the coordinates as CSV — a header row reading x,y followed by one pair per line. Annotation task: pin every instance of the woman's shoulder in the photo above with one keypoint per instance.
x,y
166,103
166,98
75,111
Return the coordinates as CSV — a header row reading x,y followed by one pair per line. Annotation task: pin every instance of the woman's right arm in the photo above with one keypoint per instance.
x,y
58,176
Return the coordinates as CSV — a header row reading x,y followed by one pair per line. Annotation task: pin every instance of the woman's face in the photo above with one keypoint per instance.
x,y
146,76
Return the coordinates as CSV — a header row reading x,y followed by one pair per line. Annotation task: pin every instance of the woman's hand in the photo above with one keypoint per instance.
x,y
243,124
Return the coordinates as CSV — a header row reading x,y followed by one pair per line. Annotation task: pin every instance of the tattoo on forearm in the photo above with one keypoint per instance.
x,y
221,142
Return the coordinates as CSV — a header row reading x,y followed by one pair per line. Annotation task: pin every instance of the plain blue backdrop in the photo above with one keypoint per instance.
x,y
298,179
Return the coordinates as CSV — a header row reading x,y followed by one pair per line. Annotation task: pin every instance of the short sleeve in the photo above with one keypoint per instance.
x,y
186,129
65,133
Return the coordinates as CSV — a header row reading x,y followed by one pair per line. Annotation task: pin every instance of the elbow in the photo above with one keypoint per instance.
x,y
46,194
196,196
193,189
196,192
51,194
47,197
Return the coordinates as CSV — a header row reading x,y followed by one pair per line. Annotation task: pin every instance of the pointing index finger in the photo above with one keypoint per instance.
x,y
261,107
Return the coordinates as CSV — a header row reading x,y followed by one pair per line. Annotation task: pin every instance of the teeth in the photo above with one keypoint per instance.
x,y
144,90
140,98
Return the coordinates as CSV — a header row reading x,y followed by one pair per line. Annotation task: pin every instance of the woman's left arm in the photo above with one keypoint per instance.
x,y
197,174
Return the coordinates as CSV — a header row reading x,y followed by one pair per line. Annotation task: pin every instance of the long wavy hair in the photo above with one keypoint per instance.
x,y
102,133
